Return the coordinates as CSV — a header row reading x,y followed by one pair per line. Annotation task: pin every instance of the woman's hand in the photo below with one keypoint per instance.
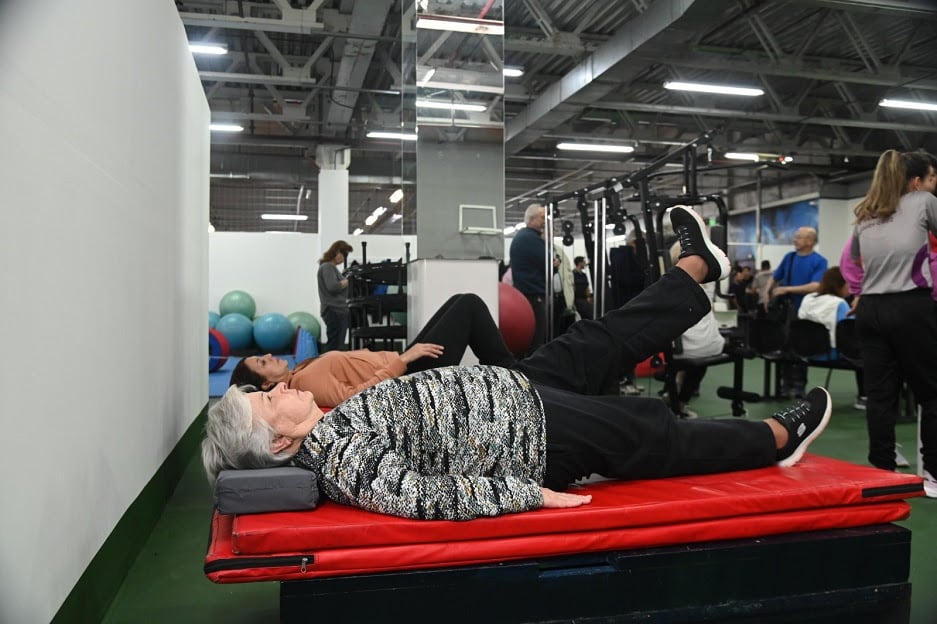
x,y
560,500
420,350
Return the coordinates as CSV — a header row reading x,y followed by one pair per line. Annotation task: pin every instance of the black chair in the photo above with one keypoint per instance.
x,y
809,341
768,341
847,341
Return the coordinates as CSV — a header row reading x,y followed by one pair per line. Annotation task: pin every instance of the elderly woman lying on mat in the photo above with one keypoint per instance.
x,y
463,321
463,442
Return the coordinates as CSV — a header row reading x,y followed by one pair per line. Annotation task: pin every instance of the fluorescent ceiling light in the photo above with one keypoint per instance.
x,y
459,106
513,72
207,48
357,232
923,106
595,147
370,220
377,134
396,196
211,228
460,24
711,88
225,127
396,217
743,156
429,75
230,176
284,217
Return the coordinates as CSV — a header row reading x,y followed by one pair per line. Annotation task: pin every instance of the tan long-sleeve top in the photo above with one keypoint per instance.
x,y
339,375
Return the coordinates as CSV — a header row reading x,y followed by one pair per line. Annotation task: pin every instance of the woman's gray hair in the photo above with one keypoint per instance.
x,y
234,439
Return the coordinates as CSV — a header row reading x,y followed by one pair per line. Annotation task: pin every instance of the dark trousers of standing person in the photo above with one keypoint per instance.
x,y
632,437
898,337
539,305
337,321
462,321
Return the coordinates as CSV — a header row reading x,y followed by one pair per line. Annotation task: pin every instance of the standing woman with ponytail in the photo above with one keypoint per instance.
x,y
895,316
333,295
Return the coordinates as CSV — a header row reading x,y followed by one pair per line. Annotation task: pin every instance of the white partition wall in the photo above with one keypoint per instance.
x,y
431,282
104,155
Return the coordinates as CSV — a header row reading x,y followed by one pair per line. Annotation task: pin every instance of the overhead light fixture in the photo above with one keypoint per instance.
x,y
743,156
460,24
214,49
701,87
757,157
396,217
595,147
459,106
401,136
512,72
908,104
396,196
357,232
283,217
225,127
229,176
211,228
370,220
429,75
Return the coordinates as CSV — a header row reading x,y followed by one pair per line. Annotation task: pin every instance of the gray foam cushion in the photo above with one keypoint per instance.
x,y
285,488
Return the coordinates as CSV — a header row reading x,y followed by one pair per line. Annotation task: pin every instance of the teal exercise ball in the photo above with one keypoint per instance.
x,y
213,318
238,329
307,322
273,332
238,301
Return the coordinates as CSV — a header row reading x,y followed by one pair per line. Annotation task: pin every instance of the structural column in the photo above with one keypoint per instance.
x,y
333,164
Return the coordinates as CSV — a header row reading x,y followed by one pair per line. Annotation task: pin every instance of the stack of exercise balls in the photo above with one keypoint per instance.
x,y
237,329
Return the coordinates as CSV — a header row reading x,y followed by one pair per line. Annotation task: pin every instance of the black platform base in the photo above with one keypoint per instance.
x,y
859,576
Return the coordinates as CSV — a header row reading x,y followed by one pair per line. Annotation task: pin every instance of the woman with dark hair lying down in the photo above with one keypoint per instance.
x,y
464,442
462,322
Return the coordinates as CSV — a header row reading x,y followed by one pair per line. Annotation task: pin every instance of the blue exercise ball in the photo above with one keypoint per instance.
x,y
273,332
238,301
238,329
213,318
307,321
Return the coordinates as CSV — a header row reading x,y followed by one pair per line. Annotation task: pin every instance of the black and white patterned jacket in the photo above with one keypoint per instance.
x,y
451,443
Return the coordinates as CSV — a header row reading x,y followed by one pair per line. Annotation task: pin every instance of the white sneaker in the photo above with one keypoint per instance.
x,y
900,460
630,389
930,485
686,413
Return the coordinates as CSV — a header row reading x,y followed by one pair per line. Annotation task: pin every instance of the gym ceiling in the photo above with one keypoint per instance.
x,y
300,74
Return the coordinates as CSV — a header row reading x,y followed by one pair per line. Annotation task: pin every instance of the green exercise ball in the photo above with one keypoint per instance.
x,y
238,301
307,322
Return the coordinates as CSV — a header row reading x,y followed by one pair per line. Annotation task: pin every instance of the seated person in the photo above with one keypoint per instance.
x,y
703,340
828,306
462,321
465,442
739,289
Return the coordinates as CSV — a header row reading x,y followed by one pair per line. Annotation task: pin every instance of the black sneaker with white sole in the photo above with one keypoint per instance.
x,y
691,232
804,421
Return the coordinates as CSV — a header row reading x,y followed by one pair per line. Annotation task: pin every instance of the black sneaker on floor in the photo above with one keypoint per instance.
x,y
691,232
804,421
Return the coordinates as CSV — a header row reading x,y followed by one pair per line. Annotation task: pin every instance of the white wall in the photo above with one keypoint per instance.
x,y
279,270
104,155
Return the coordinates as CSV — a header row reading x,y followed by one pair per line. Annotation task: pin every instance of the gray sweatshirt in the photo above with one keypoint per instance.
x,y
331,292
891,249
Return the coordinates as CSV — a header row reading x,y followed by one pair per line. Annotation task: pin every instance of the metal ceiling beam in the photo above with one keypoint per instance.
x,y
760,116
566,98
885,77
367,17
904,8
